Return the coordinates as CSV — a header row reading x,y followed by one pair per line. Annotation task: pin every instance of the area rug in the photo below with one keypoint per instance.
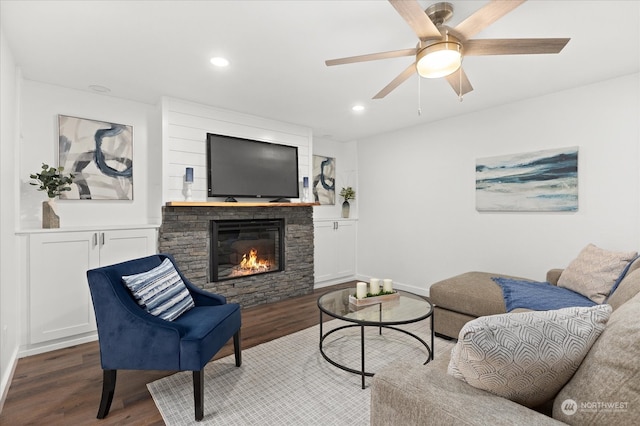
x,y
287,381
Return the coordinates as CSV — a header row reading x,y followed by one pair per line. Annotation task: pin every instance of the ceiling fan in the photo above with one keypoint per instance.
x,y
440,49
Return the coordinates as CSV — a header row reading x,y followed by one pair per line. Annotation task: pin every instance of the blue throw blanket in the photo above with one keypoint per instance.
x,y
538,296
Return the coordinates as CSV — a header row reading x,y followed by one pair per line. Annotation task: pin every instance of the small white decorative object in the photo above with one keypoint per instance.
x,y
188,179
188,195
374,284
361,290
305,190
387,285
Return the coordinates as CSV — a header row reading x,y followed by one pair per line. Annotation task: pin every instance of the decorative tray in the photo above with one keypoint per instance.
x,y
374,299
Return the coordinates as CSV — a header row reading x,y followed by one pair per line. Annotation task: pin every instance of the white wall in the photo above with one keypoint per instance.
x,y
41,103
346,158
184,131
417,218
9,274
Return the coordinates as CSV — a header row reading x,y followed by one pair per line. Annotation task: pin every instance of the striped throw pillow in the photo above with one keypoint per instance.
x,y
161,291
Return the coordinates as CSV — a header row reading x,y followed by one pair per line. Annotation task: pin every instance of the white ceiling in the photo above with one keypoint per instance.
x,y
143,50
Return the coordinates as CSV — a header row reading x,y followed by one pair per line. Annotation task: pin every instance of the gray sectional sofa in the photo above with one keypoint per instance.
x,y
605,389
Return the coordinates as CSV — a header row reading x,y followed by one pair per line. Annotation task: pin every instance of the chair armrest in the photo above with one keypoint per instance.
x,y
553,275
205,298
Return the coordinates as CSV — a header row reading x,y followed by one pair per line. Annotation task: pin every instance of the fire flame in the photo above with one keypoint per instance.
x,y
252,262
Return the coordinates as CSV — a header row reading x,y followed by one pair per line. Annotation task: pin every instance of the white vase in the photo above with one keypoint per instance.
x,y
345,209
49,217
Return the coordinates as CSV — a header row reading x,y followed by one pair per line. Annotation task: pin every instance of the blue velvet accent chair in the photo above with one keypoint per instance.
x,y
132,339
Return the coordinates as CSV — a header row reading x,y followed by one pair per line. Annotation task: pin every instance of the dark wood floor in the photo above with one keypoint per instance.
x,y
63,387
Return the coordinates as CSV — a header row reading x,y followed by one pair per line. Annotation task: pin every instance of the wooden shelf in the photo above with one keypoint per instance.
x,y
226,204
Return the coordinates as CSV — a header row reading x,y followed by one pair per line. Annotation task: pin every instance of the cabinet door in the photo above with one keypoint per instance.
x,y
120,245
345,247
325,256
60,303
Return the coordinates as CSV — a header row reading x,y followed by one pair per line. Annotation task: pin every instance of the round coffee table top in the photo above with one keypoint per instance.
x,y
406,309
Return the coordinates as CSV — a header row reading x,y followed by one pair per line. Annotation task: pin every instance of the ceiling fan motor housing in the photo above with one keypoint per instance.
x,y
439,13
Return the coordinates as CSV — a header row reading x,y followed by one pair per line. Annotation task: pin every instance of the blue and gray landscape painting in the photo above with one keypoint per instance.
x,y
538,181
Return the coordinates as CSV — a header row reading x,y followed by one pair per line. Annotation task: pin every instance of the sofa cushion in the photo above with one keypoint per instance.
x,y
629,287
160,291
526,357
606,387
406,394
595,271
472,293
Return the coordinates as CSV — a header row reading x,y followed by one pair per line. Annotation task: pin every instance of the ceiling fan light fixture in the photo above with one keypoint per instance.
x,y
439,59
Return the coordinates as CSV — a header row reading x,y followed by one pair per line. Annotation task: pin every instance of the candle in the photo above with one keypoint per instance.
x,y
189,174
375,286
361,290
387,285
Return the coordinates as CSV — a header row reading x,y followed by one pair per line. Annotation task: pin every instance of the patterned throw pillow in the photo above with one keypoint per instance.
x,y
161,291
526,357
595,271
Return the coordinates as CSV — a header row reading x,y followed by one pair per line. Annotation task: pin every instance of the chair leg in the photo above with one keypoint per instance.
x,y
108,388
198,393
236,348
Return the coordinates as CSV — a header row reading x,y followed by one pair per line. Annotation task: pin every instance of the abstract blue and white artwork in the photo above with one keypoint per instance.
x,y
324,179
536,181
99,155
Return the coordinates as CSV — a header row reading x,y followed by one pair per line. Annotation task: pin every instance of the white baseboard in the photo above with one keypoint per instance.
x,y
333,282
61,344
7,377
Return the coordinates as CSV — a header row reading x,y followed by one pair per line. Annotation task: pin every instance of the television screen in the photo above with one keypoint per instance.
x,y
239,167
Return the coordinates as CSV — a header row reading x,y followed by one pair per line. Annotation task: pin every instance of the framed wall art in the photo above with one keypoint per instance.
x,y
536,181
324,179
100,156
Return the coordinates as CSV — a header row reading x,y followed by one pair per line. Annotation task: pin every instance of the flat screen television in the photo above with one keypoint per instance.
x,y
238,167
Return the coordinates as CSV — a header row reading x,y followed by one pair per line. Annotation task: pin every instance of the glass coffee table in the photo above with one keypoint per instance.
x,y
408,308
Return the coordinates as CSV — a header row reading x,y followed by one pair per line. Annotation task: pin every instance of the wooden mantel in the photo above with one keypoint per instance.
x,y
227,204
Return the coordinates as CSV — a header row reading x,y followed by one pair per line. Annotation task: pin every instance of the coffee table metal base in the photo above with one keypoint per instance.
x,y
362,370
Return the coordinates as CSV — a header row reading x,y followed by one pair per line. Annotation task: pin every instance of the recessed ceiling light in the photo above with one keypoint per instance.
x,y
219,62
358,108
99,89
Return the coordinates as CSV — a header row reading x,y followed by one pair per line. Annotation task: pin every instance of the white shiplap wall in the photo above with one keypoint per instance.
x,y
184,130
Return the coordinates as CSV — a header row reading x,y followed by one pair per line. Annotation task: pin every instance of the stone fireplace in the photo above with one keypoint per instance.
x,y
187,234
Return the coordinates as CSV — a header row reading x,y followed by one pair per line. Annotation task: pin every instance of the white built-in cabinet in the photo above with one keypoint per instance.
x,y
58,302
334,250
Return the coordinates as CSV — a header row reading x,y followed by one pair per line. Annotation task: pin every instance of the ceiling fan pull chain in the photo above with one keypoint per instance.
x,y
460,81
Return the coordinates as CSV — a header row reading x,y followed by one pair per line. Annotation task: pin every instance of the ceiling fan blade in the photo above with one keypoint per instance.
x,y
413,14
514,46
486,16
371,57
455,79
404,75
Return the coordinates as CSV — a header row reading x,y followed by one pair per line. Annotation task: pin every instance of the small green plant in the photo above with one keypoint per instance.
x,y
348,193
52,180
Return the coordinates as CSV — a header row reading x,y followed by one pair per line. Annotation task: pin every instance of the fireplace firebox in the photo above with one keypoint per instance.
x,y
240,248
